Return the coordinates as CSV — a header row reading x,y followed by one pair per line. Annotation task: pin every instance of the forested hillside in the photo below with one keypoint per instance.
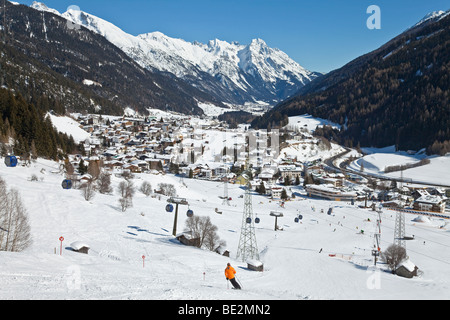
x,y
396,95
43,54
25,130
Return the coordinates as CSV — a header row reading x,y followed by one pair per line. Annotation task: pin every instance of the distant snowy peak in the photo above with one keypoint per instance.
x,y
233,72
435,15
271,64
42,7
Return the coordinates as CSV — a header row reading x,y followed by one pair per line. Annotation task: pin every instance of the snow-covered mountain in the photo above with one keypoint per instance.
x,y
233,72
432,16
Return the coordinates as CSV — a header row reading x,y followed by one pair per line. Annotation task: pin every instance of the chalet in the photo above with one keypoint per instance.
x,y
155,164
430,203
132,168
188,239
276,192
266,175
419,193
407,269
290,171
242,179
330,192
143,165
220,170
336,182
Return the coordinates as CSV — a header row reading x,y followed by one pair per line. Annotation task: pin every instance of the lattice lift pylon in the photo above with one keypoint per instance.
x,y
399,233
248,248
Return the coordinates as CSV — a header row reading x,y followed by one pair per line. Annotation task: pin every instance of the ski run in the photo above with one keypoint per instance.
x,y
327,254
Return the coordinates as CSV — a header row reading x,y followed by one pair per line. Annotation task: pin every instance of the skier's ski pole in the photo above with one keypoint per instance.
x,y
239,282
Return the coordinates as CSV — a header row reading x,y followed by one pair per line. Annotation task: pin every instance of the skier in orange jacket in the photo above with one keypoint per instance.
x,y
229,274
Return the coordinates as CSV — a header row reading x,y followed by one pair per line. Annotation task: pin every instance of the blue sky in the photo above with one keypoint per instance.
x,y
320,35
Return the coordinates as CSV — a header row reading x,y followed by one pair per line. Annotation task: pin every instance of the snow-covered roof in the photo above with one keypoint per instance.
x,y
255,263
408,265
77,245
430,199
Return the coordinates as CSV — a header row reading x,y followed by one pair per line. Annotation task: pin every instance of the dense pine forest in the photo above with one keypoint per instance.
x,y
25,130
397,95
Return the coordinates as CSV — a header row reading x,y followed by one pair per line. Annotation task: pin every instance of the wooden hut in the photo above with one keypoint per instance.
x,y
255,265
187,239
406,269
222,251
80,247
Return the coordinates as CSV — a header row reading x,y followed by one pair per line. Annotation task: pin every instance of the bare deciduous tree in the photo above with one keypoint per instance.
x,y
14,227
146,188
125,203
88,190
104,183
94,169
167,189
127,191
202,228
393,256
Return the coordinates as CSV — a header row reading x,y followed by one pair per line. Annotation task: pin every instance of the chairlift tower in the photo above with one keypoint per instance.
x,y
377,239
247,249
399,233
226,200
177,201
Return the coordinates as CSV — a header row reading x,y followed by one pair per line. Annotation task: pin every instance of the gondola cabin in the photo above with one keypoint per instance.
x,y
67,184
11,161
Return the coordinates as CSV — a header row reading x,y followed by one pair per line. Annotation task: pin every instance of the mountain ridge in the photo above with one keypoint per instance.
x,y
46,55
397,94
231,72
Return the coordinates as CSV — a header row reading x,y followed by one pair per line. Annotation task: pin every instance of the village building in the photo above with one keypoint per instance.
x,y
330,192
290,171
430,203
276,192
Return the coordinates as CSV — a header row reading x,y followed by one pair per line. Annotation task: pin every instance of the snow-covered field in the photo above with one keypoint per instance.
x,y
294,267
308,123
436,172
69,126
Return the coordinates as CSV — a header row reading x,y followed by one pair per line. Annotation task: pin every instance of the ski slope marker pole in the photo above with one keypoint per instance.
x,y
60,250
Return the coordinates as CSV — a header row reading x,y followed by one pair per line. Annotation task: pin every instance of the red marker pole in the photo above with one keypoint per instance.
x,y
143,261
60,250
